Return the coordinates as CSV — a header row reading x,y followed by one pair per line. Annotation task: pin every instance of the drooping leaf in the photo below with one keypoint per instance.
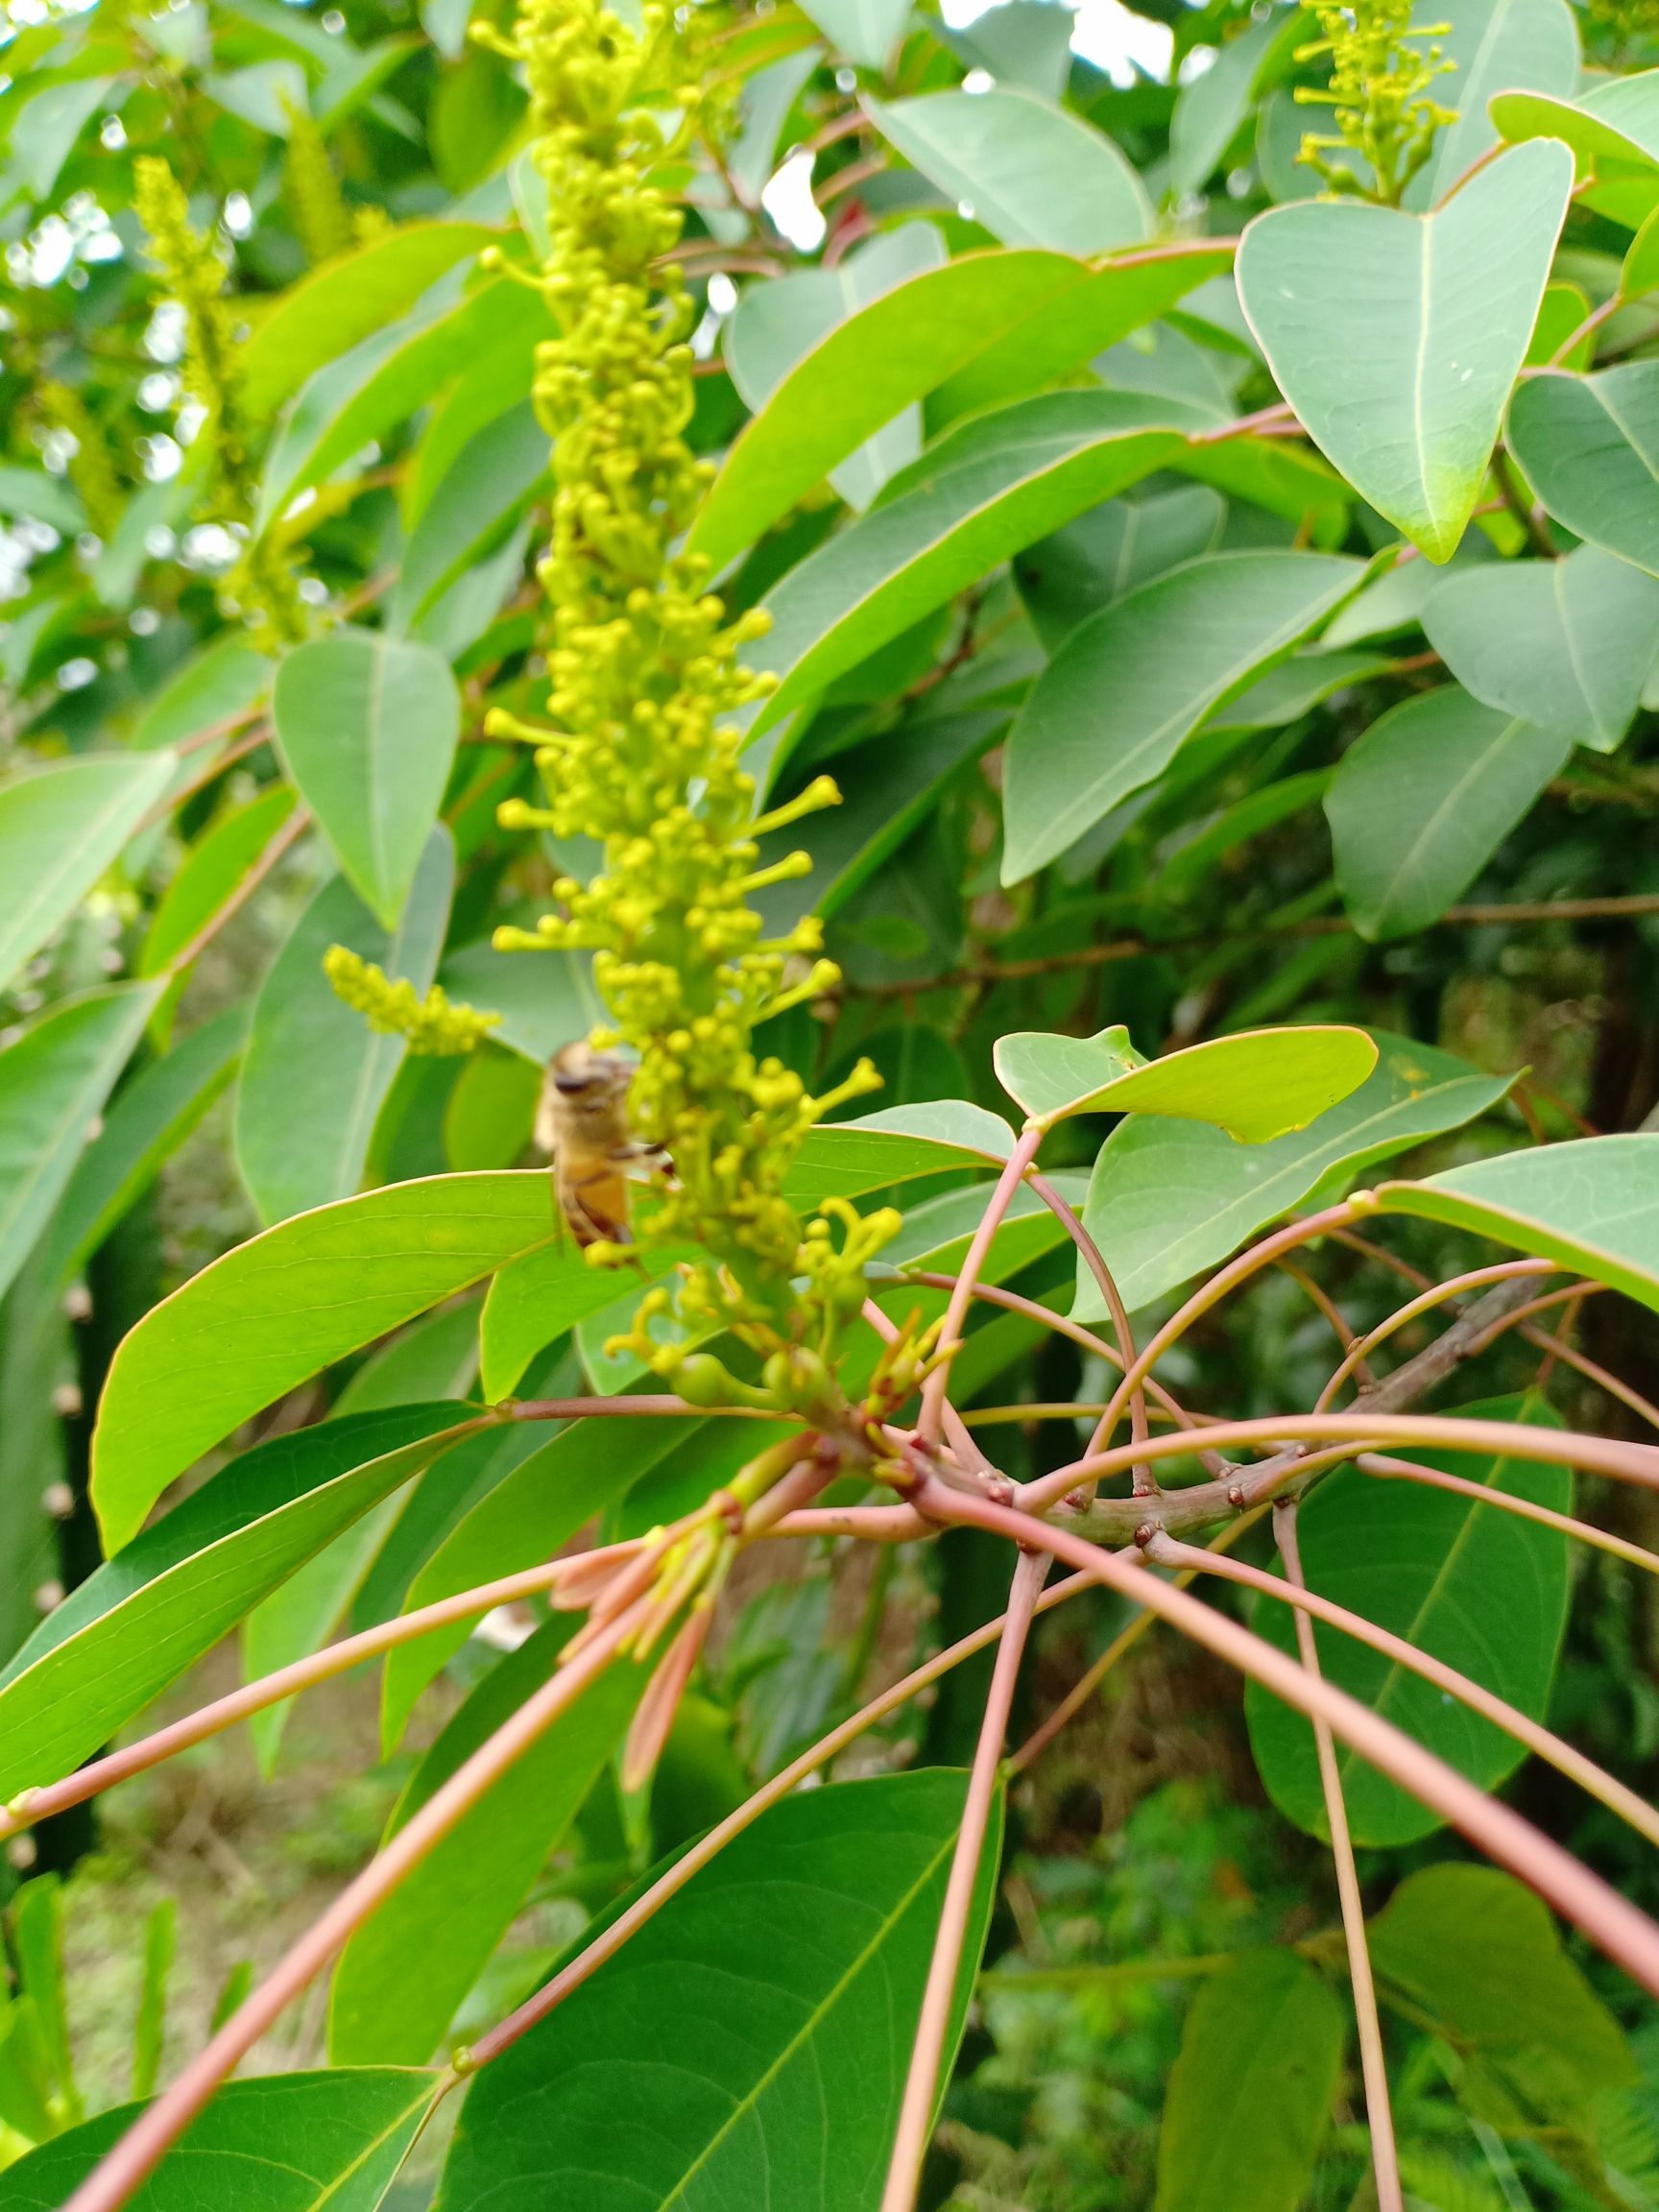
x,y
1493,46
213,871
1397,337
347,300
1251,2090
286,1304
1421,802
1593,1205
1131,683
1256,1084
987,327
1478,1952
1032,173
1565,643
792,1967
151,1117
155,1605
368,726
1590,448
52,1084
470,511
319,2142
60,827
316,1076
409,1965
1168,1199
1483,1590
987,489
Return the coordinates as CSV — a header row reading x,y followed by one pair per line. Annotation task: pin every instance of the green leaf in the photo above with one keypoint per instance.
x,y
368,727
986,328
409,1965
1251,2090
52,1084
214,871
1211,109
348,299
1131,684
1030,172
1102,556
581,1471
1168,1199
151,1611
282,2142
385,378
986,490
1500,46
1565,643
1256,1084
1592,1205
747,2046
844,1159
1590,449
224,680
1478,1953
1294,688
537,1298
316,1076
1419,806
61,826
867,32
1397,337
283,1306
469,512
160,1946
1613,132
776,323
1484,1591
152,1115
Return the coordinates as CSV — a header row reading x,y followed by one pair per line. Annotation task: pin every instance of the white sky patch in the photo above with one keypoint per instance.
x,y
788,199
1107,33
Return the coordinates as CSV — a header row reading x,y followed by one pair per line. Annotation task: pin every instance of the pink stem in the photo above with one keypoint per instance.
x,y
611,1939
1372,2067
123,2169
289,834
927,2053
956,1312
1627,1936
1141,1482
1435,1478
1423,1304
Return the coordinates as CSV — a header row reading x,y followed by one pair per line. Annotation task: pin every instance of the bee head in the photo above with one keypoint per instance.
x,y
588,1077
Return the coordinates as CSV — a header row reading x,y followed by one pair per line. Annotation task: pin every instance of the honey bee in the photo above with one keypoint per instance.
x,y
583,1123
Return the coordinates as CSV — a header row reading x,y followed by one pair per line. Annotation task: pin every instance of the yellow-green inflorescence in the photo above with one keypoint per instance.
x,y
434,1025
1379,94
261,587
639,749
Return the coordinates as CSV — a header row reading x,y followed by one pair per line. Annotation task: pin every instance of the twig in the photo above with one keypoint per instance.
x,y
938,1999
286,838
956,1312
1141,1482
1424,1302
203,775
1529,518
1372,2065
588,1408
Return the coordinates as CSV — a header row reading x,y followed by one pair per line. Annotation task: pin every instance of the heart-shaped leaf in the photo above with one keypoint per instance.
x,y
1032,173
1421,802
1593,1205
1567,644
1590,448
1256,1085
368,727
1397,337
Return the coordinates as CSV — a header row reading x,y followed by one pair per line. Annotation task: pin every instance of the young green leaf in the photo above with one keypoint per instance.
x,y
285,2142
316,1076
368,726
1590,448
1168,1199
745,2046
1419,806
1251,2089
1593,1205
61,826
844,1159
1256,1085
1565,643
410,1964
536,1299
1397,337
52,1084
1483,1589
986,490
1032,173
1130,684
286,1304
151,1611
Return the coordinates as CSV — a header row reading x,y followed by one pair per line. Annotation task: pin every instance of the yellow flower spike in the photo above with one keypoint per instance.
x,y
434,1025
